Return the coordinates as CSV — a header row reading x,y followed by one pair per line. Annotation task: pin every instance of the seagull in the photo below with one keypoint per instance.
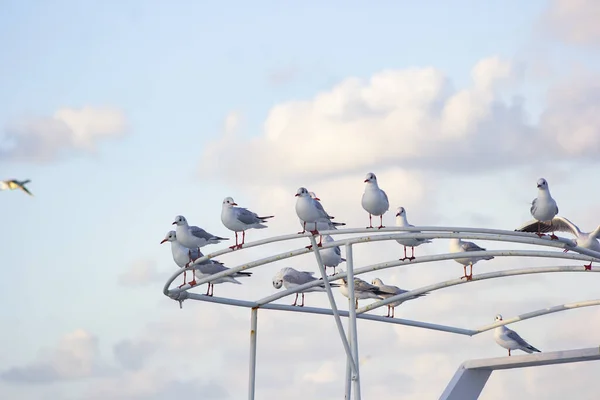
x,y
390,291
181,254
211,267
239,219
332,256
460,246
311,211
543,207
362,290
192,236
374,200
587,240
401,221
13,184
323,224
291,278
511,340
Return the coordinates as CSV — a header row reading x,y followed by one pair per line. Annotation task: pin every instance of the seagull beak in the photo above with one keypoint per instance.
x,y
234,204
366,180
539,186
296,195
397,215
317,199
162,241
173,223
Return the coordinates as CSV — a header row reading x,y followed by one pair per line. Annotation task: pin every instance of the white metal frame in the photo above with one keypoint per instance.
x,y
349,338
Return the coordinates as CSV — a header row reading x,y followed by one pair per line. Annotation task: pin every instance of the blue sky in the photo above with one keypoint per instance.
x,y
174,72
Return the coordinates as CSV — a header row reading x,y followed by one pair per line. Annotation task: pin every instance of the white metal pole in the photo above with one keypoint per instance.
x,y
352,319
252,369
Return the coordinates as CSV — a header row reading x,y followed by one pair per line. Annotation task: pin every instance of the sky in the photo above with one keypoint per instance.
x,y
126,115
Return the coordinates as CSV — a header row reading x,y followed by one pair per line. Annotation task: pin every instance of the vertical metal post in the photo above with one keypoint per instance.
x,y
348,365
352,320
252,369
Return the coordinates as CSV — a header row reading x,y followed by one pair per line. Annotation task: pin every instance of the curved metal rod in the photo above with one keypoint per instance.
x,y
561,243
479,277
426,259
538,313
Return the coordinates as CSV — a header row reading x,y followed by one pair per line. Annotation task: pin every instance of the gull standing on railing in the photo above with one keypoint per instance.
x,y
239,219
362,290
323,224
544,207
332,256
193,236
412,243
310,211
291,278
374,200
211,267
181,254
511,340
587,240
459,246
390,291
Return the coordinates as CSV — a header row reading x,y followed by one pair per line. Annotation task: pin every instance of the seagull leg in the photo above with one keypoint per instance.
x,y
393,309
509,352
412,257
302,305
315,232
295,300
303,228
553,236
356,305
388,309
370,222
380,222
239,246
320,241
236,242
405,257
588,267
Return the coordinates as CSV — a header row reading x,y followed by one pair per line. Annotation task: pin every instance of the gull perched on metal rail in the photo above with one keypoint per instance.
x,y
543,207
324,224
374,200
310,211
390,291
459,246
13,184
587,240
412,243
332,256
511,340
362,290
239,219
291,278
211,267
181,255
193,236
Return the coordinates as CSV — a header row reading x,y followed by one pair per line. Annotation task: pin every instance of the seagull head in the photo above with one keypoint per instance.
x,y
277,283
542,184
179,220
229,202
171,237
377,282
370,177
400,212
302,192
314,196
499,317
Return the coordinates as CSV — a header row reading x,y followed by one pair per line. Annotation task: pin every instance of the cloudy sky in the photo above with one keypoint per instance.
x,y
126,115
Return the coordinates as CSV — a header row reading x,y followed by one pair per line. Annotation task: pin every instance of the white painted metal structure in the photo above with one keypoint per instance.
x,y
471,377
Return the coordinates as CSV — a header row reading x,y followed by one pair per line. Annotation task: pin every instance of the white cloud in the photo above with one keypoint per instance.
x,y
574,21
69,131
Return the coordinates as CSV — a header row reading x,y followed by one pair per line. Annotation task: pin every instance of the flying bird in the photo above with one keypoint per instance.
x,y
459,246
13,184
511,340
587,240
291,278
412,243
374,200
193,236
239,219
544,207
389,291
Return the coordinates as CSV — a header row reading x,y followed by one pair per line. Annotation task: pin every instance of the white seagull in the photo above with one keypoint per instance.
x,y
412,243
374,200
211,267
362,290
543,207
511,340
390,291
459,246
332,256
291,278
239,219
181,254
587,240
193,236
323,224
13,184
310,211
